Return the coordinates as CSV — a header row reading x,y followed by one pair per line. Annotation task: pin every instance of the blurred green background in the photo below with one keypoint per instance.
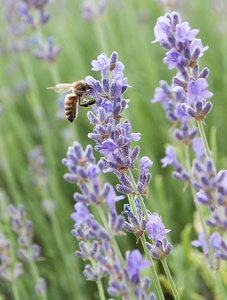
x,y
29,120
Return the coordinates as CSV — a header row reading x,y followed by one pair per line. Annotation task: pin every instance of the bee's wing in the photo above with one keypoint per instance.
x,y
62,87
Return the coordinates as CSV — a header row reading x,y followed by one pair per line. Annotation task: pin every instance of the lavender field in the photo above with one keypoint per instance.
x,y
116,186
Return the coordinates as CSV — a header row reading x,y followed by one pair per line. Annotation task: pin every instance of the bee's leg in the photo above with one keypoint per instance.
x,y
87,103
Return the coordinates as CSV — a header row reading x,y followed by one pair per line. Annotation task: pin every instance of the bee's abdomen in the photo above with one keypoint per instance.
x,y
71,107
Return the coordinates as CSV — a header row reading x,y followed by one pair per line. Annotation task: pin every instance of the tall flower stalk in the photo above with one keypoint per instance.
x,y
185,103
113,139
97,239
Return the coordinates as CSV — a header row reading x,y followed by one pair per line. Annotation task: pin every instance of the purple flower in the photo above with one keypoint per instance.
x,y
87,11
160,249
187,135
155,227
23,10
145,163
46,51
112,138
187,97
197,44
135,224
197,91
106,105
102,63
135,263
107,147
205,176
198,148
8,271
201,242
143,181
198,111
170,158
111,197
184,32
215,240
162,93
163,30
81,164
28,251
175,59
222,188
219,245
82,214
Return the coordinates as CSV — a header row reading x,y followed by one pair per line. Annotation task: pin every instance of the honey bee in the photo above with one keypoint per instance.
x,y
74,99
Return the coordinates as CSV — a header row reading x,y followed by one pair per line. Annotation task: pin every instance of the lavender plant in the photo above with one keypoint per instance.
x,y
113,140
28,252
185,103
8,271
97,243
26,16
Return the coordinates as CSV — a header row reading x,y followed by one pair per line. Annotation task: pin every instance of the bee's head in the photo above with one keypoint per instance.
x,y
81,86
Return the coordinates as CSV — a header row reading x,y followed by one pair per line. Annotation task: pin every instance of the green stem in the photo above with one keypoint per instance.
x,y
99,283
170,279
142,205
220,288
204,139
15,291
154,274
36,276
112,238
101,290
143,240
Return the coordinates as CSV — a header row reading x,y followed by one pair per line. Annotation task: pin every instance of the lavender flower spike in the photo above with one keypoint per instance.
x,y
187,97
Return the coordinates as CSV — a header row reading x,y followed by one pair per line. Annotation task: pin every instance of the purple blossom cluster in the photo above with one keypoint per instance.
x,y
95,241
28,251
137,224
156,229
46,51
171,159
180,173
114,138
186,97
22,17
8,271
184,100
213,194
217,243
